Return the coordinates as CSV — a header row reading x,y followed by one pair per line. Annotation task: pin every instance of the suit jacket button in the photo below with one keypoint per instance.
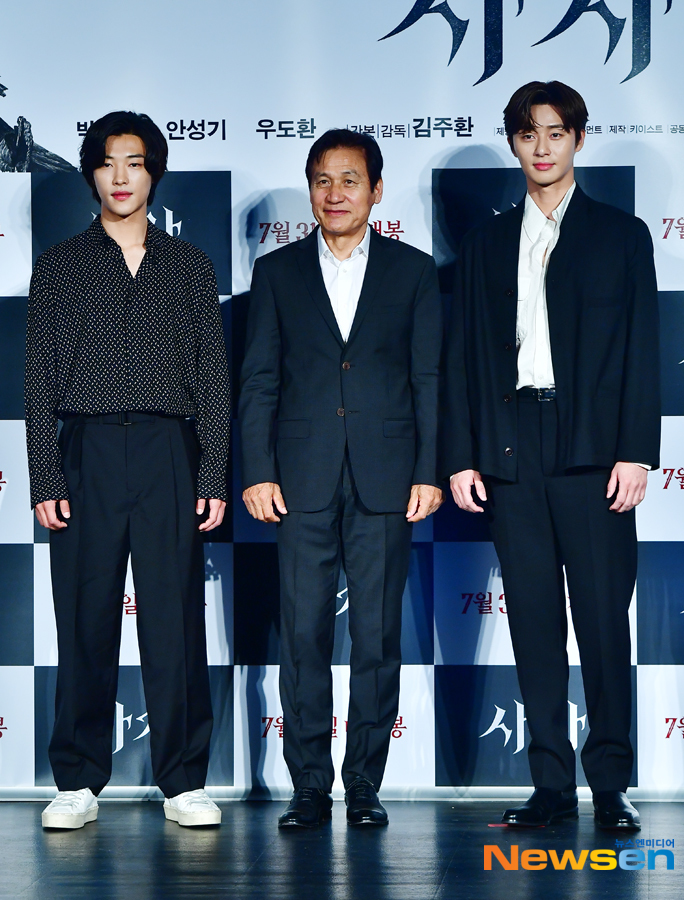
x,y
507,398
509,292
340,411
508,451
346,366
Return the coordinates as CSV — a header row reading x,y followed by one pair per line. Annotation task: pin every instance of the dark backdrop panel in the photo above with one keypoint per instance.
x,y
672,352
464,198
195,206
16,605
131,764
454,524
481,735
12,356
660,603
257,608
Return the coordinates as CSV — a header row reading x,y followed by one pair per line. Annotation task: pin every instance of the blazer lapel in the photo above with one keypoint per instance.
x,y
572,231
310,267
506,251
378,263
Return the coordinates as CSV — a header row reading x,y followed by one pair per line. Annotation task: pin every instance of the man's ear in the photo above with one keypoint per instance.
x,y
580,142
512,146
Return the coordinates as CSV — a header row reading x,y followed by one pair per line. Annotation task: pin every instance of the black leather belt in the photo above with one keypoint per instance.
x,y
125,417
540,394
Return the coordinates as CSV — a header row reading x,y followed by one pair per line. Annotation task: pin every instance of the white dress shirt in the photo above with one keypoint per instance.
x,y
344,280
538,236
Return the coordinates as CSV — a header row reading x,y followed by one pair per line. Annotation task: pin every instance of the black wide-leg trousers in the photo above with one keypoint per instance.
x,y
374,549
541,523
132,490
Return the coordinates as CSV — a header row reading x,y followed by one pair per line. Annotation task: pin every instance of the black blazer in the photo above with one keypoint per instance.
x,y
306,394
602,304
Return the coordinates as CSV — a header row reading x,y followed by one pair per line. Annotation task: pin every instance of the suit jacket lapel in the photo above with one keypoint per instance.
x,y
511,221
310,267
506,251
572,231
378,262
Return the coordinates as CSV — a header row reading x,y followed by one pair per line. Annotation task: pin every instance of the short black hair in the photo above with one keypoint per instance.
x,y
114,124
569,105
343,137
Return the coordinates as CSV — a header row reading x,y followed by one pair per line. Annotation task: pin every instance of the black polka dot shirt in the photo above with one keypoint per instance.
x,y
100,341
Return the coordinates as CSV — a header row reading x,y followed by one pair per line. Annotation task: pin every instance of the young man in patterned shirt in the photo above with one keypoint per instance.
x,y
125,346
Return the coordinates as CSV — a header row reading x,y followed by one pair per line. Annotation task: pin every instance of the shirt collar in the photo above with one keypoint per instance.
x,y
96,232
98,235
324,252
534,219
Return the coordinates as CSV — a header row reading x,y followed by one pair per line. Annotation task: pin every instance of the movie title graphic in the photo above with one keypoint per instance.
x,y
493,16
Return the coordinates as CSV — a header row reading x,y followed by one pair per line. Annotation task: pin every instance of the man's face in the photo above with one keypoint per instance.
x,y
547,152
123,182
340,192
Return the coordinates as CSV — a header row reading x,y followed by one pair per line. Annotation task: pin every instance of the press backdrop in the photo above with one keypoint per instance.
x,y
241,89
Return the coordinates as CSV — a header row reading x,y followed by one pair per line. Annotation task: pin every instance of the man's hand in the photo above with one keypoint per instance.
x,y
216,511
260,500
46,513
630,481
424,500
461,484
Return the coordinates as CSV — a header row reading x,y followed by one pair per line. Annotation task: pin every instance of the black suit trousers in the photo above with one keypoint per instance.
x,y
132,490
540,524
374,549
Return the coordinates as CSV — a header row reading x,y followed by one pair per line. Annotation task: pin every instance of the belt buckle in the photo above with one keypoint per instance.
x,y
123,418
542,395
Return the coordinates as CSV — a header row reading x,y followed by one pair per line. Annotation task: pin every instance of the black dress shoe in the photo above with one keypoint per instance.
x,y
543,807
309,808
612,809
363,806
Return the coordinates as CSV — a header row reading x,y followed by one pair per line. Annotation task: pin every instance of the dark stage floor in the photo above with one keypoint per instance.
x,y
430,850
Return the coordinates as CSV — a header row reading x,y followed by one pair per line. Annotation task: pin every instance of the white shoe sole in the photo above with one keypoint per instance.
x,y
68,820
191,819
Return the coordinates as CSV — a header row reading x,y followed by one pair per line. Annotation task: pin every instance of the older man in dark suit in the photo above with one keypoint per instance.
x,y
553,420
338,417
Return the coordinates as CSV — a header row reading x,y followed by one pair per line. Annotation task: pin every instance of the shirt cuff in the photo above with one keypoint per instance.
x,y
211,480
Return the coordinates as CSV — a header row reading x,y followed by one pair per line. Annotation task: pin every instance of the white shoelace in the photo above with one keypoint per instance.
x,y
71,799
195,798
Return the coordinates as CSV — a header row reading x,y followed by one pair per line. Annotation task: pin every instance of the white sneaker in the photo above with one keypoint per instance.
x,y
71,809
192,808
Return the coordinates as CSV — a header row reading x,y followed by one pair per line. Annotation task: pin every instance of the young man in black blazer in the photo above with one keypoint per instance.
x,y
553,420
338,418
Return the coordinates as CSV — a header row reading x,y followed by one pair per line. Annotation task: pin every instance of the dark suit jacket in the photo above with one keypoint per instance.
x,y
306,394
603,322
